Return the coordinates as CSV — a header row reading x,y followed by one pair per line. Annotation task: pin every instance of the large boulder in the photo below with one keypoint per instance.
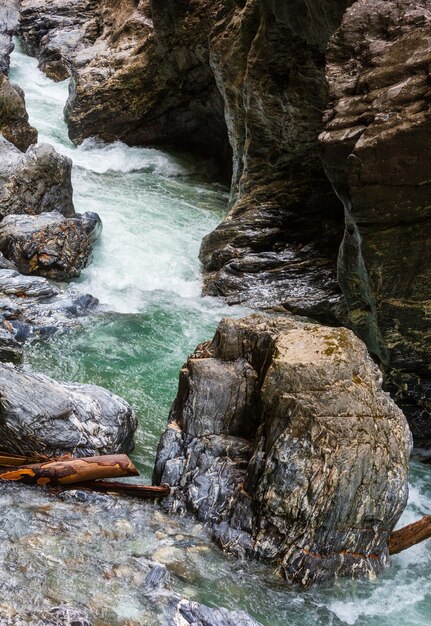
x,y
377,154
35,182
49,244
194,614
55,31
40,415
14,125
282,441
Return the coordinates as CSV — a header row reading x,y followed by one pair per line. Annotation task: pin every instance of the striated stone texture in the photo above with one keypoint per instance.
x,y
55,31
14,125
377,154
40,415
36,182
9,17
279,243
282,440
49,244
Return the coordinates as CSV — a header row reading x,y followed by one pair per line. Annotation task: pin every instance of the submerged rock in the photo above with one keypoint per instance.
x,y
36,182
31,307
14,125
282,440
38,414
377,154
49,244
197,614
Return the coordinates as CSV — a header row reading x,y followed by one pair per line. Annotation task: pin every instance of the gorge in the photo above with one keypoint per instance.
x,y
243,87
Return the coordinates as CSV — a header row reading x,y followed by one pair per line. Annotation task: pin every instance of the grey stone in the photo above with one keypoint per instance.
x,y
312,474
38,414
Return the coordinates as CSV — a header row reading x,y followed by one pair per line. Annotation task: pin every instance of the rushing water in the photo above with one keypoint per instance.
x,y
156,207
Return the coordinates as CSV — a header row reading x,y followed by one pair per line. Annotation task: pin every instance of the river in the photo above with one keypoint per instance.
x,y
156,207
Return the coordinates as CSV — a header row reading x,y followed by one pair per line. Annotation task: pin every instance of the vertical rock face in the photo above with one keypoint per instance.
x,y
147,79
278,245
377,153
283,441
14,125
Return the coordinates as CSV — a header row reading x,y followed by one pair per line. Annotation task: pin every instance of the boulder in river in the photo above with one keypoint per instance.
x,y
14,125
35,182
49,244
282,440
40,415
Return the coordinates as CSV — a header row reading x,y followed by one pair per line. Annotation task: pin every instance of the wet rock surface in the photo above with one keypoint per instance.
x,y
377,155
36,182
49,244
31,307
38,414
9,18
14,125
56,31
283,442
197,614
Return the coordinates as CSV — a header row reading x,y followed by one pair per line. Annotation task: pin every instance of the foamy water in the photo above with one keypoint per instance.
x,y
156,207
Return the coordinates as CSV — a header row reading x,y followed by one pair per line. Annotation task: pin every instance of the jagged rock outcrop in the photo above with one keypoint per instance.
x,y
9,18
376,152
282,441
38,414
35,182
55,31
49,244
14,125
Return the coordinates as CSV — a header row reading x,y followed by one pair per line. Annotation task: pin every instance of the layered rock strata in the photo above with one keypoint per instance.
x,y
282,440
377,154
40,415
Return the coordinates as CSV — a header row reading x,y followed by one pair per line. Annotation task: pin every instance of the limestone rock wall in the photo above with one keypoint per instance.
x,y
377,154
282,440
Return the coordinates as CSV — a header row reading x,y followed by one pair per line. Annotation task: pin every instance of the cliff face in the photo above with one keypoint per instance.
x,y
377,153
253,80
282,441
147,79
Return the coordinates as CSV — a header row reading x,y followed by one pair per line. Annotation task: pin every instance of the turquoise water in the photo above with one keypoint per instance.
x,y
156,207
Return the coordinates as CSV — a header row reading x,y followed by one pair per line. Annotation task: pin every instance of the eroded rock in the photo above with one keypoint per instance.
x,y
376,152
9,18
282,440
35,182
49,244
38,414
54,31
14,125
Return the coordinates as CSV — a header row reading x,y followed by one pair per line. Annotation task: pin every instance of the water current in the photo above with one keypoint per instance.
x,y
156,207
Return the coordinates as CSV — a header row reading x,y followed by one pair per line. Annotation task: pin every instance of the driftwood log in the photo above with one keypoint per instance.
x,y
72,471
126,489
410,535
15,460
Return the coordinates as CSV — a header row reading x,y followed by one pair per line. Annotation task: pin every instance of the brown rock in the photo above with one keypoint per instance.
x,y
282,441
377,154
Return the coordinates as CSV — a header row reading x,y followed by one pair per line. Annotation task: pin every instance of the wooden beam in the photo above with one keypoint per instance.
x,y
72,471
125,489
410,535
